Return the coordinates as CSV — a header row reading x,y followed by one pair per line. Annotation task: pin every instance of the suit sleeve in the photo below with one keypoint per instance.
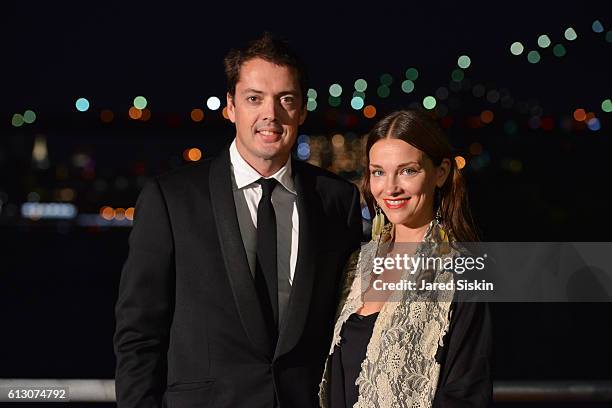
x,y
354,222
145,305
465,375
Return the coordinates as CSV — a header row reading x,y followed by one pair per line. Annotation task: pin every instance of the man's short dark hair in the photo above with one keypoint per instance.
x,y
268,48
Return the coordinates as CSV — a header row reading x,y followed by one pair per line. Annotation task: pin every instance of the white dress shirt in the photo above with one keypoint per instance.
x,y
247,193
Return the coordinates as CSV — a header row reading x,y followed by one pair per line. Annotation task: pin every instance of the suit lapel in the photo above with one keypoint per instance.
x,y
301,291
234,255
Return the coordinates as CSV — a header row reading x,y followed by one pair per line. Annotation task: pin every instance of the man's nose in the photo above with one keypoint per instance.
x,y
270,110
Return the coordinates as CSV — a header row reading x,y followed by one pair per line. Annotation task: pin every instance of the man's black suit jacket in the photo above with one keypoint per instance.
x,y
190,332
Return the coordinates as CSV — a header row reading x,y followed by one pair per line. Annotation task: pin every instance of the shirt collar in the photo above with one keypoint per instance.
x,y
245,175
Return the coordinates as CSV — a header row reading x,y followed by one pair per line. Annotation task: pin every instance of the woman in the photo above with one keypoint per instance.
x,y
409,348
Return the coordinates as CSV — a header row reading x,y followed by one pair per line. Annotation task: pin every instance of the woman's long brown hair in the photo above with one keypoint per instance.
x,y
421,131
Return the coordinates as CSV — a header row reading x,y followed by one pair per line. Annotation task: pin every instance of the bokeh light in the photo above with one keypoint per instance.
x,y
412,74
407,86
559,50
486,116
17,120
361,85
82,104
570,34
197,115
335,90
337,141
107,116
429,102
457,75
312,93
224,113
460,161
464,62
357,103
140,102
29,116
517,48
303,151
580,115
369,111
606,105
311,105
146,114
334,101
193,154
135,113
383,91
386,79
597,26
213,103
543,41
129,213
108,213
533,57
594,124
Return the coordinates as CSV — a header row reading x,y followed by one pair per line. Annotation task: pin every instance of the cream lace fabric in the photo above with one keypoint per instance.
x,y
399,369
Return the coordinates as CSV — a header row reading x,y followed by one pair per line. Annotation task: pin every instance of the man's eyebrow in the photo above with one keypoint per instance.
x,y
251,90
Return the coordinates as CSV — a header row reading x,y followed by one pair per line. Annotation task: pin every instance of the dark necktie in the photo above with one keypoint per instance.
x,y
266,275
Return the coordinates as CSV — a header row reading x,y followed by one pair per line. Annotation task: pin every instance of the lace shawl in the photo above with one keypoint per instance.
x,y
400,369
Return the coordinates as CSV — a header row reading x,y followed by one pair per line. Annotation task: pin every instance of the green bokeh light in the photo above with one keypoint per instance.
x,y
359,94
383,91
17,120
543,41
334,101
429,102
457,75
559,50
407,86
517,48
140,102
412,74
533,57
361,85
311,104
386,79
335,90
606,106
464,61
312,93
29,116
570,34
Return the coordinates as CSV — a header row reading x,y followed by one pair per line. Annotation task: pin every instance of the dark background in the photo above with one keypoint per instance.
x,y
58,279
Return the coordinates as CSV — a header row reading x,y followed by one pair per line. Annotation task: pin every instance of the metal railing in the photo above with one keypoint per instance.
x,y
91,390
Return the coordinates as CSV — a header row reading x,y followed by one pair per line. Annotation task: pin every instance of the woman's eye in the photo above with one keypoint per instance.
x,y
376,173
408,171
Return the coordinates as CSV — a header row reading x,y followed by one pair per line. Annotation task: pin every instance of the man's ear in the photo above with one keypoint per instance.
x,y
231,113
443,171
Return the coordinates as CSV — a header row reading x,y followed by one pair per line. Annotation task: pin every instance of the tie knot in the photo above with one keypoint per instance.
x,y
267,185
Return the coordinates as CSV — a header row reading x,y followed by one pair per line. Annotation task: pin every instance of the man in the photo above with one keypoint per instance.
x,y
228,295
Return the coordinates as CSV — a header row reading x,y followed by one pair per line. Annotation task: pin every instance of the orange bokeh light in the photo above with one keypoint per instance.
x,y
486,116
107,116
369,111
129,213
120,214
460,162
225,113
108,213
146,115
193,154
197,115
580,115
135,113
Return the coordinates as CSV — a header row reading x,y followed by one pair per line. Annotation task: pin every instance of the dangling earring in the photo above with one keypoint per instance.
x,y
378,222
438,201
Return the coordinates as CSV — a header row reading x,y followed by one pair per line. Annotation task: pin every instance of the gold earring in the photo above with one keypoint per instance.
x,y
378,222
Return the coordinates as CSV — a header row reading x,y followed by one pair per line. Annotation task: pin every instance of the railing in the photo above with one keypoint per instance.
x,y
87,390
